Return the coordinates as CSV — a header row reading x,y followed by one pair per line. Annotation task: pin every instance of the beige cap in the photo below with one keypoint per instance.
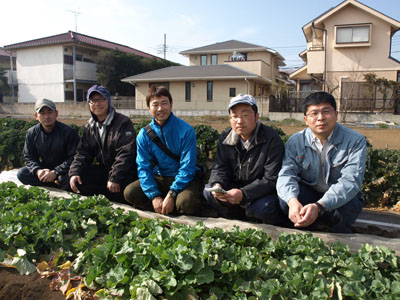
x,y
44,102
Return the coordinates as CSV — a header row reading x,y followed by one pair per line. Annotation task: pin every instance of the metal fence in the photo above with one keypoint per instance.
x,y
354,99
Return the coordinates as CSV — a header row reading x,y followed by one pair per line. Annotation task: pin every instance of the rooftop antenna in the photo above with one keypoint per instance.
x,y
76,14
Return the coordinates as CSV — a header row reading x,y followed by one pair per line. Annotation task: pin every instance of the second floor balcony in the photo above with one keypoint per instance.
x,y
257,67
84,71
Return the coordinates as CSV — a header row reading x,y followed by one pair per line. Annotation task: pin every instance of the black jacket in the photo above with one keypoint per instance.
x,y
118,155
54,150
255,170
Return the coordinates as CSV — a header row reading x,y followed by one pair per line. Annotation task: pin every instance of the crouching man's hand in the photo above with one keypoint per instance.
x,y
233,196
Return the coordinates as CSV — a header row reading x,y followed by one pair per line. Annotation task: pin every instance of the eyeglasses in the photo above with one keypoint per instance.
x,y
98,100
243,117
314,113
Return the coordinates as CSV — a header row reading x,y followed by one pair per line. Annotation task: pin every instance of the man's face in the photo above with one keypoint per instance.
x,y
321,119
47,118
243,120
98,105
160,108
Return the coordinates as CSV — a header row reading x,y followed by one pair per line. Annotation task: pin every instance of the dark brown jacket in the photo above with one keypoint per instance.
x,y
118,154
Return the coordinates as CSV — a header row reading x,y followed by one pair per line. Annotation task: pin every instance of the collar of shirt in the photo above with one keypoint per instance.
x,y
317,142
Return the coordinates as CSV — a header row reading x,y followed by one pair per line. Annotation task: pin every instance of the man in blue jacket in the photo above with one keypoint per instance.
x,y
319,185
165,184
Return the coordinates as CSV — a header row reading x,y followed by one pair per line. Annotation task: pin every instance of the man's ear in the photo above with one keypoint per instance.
x,y
56,113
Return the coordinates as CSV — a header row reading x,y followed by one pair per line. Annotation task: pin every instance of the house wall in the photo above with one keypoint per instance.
x,y
194,59
352,61
373,57
40,74
198,100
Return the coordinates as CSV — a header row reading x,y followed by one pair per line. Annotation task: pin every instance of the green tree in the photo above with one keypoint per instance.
x,y
113,65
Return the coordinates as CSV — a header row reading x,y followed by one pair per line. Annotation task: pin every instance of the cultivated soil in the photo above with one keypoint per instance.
x,y
14,286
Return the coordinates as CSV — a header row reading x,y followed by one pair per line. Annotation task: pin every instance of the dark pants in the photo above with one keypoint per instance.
x,y
94,182
187,202
265,209
337,220
26,177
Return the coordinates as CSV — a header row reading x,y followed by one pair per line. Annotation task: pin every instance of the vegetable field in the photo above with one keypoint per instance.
x,y
118,255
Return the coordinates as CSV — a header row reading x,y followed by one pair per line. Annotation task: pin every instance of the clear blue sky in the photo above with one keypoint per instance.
x,y
187,24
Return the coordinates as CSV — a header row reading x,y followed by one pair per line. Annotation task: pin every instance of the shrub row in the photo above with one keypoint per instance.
x,y
381,184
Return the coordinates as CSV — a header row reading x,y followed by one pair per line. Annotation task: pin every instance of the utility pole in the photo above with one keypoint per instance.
x,y
76,14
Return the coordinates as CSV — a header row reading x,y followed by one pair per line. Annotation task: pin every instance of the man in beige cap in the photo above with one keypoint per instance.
x,y
49,149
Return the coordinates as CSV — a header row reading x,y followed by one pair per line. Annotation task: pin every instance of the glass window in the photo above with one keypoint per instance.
x,y
214,59
358,34
209,90
232,92
188,86
68,60
203,60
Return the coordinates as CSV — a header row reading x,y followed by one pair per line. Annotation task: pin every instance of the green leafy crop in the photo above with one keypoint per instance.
x,y
126,257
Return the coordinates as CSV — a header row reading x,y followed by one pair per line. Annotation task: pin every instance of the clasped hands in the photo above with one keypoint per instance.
x,y
302,216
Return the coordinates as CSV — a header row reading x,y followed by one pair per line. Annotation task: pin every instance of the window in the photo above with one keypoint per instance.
x,y
232,92
78,57
203,60
356,34
68,60
188,86
214,59
398,80
209,91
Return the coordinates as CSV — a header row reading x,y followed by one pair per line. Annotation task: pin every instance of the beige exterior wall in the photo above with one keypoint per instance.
x,y
349,62
257,67
40,74
373,57
198,100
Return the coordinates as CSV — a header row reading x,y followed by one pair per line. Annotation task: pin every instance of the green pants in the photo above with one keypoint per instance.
x,y
187,202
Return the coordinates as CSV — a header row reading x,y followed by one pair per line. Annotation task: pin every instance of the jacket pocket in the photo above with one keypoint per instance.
x,y
337,165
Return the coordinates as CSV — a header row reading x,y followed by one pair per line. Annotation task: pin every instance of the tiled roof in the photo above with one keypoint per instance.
x,y
5,53
77,38
176,73
229,46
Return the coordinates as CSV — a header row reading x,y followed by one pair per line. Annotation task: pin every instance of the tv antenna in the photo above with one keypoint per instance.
x,y
76,14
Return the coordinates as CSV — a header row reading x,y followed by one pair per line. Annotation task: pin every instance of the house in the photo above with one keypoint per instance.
x,y
343,44
54,67
8,86
216,73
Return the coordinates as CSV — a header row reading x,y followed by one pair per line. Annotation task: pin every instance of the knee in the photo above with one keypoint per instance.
x,y
131,191
24,175
187,203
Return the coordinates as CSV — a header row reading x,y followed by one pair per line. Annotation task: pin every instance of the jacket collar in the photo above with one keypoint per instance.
x,y
337,135
168,121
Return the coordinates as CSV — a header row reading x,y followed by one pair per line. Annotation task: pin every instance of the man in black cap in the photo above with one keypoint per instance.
x,y
105,160
49,149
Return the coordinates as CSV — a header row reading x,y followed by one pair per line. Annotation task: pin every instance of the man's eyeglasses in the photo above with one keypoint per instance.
x,y
97,100
314,113
244,117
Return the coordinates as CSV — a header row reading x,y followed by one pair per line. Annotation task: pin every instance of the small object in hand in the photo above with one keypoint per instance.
x,y
216,189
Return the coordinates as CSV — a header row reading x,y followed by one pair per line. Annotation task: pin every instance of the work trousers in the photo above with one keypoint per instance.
x,y
26,177
265,209
187,201
336,220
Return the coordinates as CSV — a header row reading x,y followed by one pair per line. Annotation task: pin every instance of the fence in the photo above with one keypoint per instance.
x,y
353,99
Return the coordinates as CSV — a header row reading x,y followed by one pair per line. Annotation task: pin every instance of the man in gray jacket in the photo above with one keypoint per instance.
x,y
319,185
49,149
249,157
